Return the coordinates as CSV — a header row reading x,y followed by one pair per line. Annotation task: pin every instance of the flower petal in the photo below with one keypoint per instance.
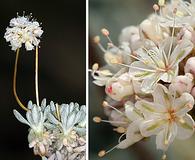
x,y
140,70
185,127
166,136
131,112
181,51
149,84
150,108
132,136
183,104
152,126
161,96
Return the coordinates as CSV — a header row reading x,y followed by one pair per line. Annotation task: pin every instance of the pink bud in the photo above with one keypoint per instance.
x,y
193,92
190,66
182,84
119,88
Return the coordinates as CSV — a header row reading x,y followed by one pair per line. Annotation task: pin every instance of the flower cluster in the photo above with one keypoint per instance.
x,y
57,132
23,30
149,77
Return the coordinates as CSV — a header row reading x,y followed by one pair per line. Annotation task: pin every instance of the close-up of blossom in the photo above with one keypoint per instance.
x,y
149,84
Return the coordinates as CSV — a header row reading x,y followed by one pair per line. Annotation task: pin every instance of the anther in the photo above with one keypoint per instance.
x,y
156,7
106,104
105,32
95,66
96,39
102,153
97,119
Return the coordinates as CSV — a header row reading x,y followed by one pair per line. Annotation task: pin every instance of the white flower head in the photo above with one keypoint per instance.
x,y
166,117
23,30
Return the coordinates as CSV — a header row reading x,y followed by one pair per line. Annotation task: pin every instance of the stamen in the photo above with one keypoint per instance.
x,y
141,69
96,40
106,104
106,33
98,120
173,32
102,153
156,8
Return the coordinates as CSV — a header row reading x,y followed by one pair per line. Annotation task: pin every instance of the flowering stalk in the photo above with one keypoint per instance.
x,y
14,81
36,75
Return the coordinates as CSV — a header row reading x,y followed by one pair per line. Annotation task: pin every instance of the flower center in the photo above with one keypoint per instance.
x,y
171,115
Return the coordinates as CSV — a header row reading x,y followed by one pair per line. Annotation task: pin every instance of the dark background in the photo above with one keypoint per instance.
x,y
62,66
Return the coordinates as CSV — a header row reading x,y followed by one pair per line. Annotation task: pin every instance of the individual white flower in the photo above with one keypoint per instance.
x,y
166,117
177,13
101,76
23,30
158,62
133,134
182,83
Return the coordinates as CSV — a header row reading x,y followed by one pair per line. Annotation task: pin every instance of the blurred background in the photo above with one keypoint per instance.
x,y
61,69
115,15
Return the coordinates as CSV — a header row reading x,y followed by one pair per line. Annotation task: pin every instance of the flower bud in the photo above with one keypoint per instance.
x,y
182,84
193,92
190,66
119,88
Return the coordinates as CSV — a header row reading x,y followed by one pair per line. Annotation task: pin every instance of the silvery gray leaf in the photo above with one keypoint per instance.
x,y
20,117
29,117
80,131
36,114
43,103
71,107
52,119
52,105
30,104
70,120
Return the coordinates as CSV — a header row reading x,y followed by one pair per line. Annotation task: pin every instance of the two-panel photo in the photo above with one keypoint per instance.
x,y
97,80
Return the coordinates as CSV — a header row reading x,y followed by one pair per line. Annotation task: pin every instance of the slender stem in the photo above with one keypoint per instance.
x,y
36,76
14,82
